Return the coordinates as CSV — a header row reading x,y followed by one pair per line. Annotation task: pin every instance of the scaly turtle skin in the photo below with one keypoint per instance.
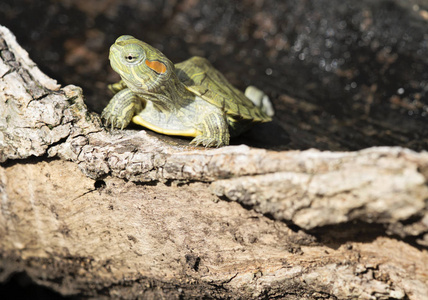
x,y
188,99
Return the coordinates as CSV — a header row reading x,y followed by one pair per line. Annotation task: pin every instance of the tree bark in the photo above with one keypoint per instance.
x,y
126,213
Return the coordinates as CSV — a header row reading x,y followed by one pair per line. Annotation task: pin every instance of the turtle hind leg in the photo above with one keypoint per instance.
x,y
260,99
215,131
121,108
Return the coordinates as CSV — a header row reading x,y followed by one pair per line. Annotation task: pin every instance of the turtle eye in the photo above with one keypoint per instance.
x,y
131,57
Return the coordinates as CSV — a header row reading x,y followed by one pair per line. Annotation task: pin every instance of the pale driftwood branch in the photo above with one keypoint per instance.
x,y
106,232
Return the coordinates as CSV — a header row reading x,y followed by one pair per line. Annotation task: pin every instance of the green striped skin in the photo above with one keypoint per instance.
x,y
190,99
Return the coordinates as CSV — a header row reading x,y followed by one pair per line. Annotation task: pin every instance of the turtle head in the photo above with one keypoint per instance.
x,y
142,67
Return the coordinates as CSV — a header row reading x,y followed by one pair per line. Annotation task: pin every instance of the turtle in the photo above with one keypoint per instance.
x,y
190,98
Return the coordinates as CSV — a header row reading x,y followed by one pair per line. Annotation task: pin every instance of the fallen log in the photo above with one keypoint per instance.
x,y
125,214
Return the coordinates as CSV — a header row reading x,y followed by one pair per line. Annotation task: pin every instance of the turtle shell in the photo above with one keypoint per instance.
x,y
202,79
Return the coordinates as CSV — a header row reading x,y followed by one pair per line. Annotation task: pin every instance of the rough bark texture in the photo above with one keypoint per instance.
x,y
130,214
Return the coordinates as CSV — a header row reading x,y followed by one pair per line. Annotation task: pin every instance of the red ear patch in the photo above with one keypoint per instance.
x,y
156,66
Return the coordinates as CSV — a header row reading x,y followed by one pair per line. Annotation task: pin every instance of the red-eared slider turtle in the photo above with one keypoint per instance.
x,y
190,99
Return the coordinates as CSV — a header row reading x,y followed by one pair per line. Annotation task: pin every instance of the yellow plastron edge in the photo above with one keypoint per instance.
x,y
190,132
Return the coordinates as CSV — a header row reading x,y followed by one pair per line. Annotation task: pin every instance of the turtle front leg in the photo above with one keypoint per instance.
x,y
121,108
215,131
117,87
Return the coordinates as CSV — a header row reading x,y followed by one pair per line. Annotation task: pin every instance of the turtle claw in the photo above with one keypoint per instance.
x,y
112,121
121,108
207,142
